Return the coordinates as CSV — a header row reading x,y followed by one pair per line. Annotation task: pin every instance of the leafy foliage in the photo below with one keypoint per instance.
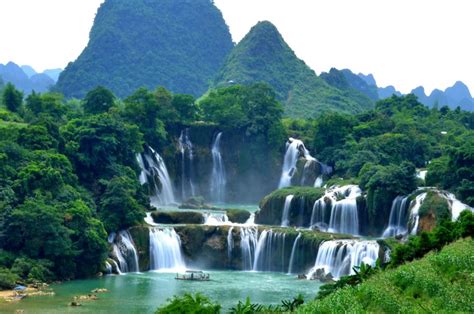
x,y
188,303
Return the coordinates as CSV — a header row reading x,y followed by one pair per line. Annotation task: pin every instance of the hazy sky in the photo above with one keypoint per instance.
x,y
405,43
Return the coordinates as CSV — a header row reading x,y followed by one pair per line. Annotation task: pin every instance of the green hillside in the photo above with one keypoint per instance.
x,y
264,56
177,44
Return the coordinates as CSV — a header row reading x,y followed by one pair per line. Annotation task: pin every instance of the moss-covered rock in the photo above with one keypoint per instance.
x,y
178,217
271,206
141,239
238,215
434,209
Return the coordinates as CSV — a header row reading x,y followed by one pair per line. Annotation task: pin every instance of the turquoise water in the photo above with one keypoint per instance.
x,y
144,292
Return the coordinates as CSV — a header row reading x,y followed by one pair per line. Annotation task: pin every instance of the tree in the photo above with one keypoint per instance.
x,y
186,107
12,98
98,100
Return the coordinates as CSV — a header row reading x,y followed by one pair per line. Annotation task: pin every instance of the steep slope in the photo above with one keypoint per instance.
x,y
178,44
264,56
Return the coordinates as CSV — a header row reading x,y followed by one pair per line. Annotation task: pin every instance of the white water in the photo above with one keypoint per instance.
x,y
294,149
293,252
286,211
456,205
340,256
125,252
186,146
218,177
397,224
248,243
165,250
155,173
216,219
421,174
149,220
108,268
230,243
319,182
269,245
344,217
414,213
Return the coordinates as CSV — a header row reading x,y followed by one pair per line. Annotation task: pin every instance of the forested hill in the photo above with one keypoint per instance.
x,y
178,44
264,56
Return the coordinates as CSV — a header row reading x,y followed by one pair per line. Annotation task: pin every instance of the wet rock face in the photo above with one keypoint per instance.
x,y
181,217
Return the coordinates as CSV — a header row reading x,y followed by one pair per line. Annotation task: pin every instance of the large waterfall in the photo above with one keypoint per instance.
x,y
294,148
123,250
188,188
165,250
270,247
218,177
343,217
398,220
293,253
154,173
340,257
285,217
248,244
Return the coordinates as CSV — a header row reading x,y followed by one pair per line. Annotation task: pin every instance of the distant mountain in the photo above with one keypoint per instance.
x,y
177,44
457,95
29,71
350,82
264,56
53,73
12,73
369,79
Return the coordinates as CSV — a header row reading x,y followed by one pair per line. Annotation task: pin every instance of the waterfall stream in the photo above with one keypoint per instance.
x,y
293,252
398,220
216,219
188,188
270,247
155,173
230,243
285,217
248,244
339,257
165,250
294,148
124,252
218,176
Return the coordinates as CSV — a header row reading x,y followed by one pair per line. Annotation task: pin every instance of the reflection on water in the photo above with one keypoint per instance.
x,y
144,292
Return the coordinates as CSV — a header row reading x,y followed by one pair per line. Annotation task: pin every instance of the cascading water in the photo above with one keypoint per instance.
x,y
340,257
456,205
270,247
108,268
293,252
248,243
124,251
230,243
414,213
398,220
165,250
285,218
218,177
188,187
294,148
344,217
149,219
155,173
216,219
319,182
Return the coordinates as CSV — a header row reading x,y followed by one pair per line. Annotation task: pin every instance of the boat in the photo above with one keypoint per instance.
x,y
193,275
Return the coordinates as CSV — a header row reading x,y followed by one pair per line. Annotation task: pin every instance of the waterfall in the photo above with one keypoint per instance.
x,y
270,246
319,182
397,224
124,251
285,217
108,268
414,213
294,148
339,257
216,219
248,243
230,243
251,220
293,252
154,173
455,205
165,250
116,266
186,148
149,219
344,217
218,178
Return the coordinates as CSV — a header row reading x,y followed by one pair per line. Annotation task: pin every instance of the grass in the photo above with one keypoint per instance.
x,y
439,282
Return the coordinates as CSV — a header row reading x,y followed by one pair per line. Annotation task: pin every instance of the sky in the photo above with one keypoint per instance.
x,y
405,43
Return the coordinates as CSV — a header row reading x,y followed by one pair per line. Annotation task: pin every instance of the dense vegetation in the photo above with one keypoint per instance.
x,y
264,56
69,175
173,43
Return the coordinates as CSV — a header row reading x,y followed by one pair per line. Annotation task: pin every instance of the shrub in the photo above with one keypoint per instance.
x,y
8,279
189,304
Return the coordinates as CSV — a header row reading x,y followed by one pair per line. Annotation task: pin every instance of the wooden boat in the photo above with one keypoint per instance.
x,y
193,275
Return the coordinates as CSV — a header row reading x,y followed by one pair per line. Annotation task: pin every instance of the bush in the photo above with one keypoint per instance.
x,y
189,304
238,215
8,279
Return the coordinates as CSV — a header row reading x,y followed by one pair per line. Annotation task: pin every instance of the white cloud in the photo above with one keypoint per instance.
x,y
405,43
